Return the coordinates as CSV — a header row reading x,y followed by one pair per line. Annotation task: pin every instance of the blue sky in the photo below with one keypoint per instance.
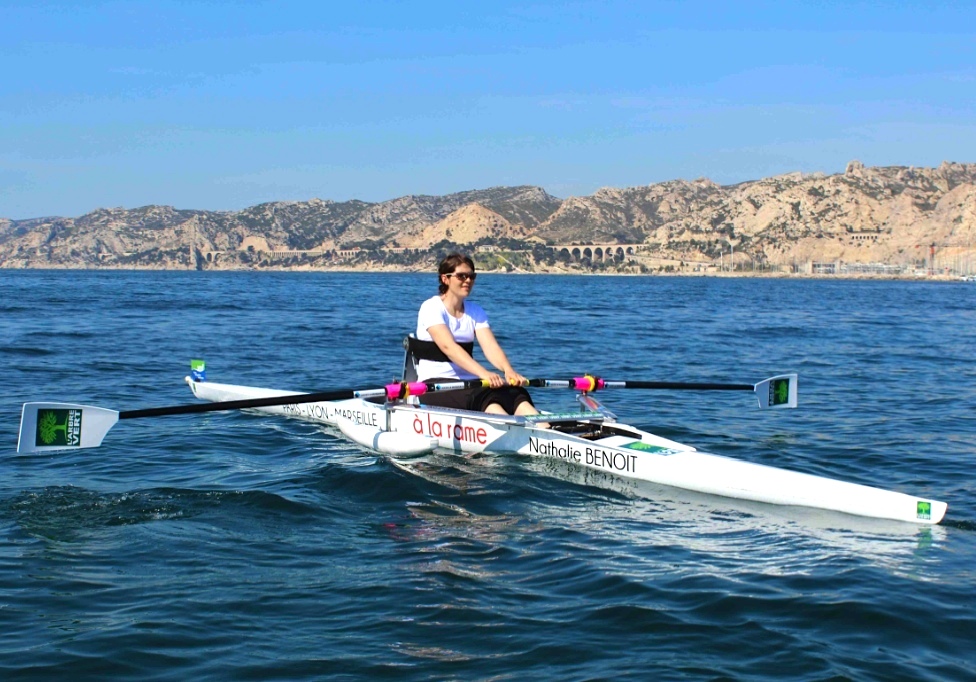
x,y
221,105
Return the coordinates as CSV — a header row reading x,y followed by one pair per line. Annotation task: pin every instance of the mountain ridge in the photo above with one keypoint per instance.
x,y
893,215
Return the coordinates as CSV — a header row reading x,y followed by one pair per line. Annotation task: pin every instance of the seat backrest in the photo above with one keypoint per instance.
x,y
409,367
409,360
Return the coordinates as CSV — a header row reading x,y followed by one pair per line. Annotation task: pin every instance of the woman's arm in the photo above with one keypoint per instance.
x,y
442,336
496,356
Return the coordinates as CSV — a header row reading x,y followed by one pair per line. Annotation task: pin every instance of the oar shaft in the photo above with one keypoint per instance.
x,y
591,383
588,383
249,403
679,386
778,391
388,392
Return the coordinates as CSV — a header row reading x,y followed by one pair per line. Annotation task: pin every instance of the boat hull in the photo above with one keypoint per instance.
x,y
612,448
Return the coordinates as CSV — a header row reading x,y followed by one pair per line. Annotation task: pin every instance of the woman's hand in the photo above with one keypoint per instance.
x,y
515,379
494,380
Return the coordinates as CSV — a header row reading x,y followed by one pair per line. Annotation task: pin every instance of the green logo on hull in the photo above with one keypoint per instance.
x,y
923,510
644,447
58,427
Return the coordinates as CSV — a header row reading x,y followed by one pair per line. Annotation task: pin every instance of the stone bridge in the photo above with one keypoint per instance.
x,y
598,252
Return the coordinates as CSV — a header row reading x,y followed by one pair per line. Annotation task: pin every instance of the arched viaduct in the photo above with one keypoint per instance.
x,y
598,252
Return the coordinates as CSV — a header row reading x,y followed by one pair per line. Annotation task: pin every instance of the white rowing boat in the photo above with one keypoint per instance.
x,y
590,437
390,420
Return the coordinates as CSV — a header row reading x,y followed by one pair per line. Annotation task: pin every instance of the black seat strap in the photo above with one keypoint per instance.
x,y
428,350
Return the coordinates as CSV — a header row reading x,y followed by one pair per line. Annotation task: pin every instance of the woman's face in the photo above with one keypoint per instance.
x,y
461,280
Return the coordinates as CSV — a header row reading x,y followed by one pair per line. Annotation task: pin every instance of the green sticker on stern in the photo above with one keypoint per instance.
x,y
58,428
645,447
923,510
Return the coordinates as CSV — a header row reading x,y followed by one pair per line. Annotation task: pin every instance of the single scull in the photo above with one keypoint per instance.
x,y
389,419
592,438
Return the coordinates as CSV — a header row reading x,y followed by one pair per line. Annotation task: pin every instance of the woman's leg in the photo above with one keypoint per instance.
x,y
518,397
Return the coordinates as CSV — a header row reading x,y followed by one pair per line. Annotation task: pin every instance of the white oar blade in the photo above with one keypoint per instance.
x,y
778,391
63,426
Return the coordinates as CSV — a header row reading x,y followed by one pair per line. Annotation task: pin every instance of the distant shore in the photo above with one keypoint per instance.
x,y
382,269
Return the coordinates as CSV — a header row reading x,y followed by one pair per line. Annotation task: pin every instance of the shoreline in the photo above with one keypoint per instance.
x,y
557,273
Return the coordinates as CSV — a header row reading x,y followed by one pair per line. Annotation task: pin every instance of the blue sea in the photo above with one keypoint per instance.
x,y
236,546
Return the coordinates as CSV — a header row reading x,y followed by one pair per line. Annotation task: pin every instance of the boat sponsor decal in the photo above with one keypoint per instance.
x,y
648,447
426,425
329,413
588,455
58,428
923,510
779,392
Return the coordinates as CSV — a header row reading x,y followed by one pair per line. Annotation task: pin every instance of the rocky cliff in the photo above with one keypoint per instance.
x,y
891,215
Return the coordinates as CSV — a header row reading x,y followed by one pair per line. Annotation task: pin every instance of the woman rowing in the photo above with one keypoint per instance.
x,y
450,324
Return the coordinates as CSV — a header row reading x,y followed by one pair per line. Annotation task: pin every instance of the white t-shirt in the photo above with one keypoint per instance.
x,y
433,312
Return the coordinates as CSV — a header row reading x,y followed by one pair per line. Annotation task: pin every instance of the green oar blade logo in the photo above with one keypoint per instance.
x,y
779,392
58,427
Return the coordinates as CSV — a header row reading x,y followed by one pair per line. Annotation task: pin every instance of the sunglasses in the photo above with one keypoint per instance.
x,y
464,276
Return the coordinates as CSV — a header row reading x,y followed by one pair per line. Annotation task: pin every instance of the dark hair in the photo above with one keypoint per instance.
x,y
448,265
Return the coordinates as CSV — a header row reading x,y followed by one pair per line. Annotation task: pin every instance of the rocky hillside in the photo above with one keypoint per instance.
x,y
865,215
890,215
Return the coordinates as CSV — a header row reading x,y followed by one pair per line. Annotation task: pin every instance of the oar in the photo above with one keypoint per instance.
x,y
60,426
775,392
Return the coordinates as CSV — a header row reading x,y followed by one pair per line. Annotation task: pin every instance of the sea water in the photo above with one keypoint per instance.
x,y
232,546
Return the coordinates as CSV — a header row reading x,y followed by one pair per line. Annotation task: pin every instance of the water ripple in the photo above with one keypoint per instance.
x,y
65,513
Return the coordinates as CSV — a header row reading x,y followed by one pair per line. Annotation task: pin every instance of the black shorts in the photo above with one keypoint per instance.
x,y
477,399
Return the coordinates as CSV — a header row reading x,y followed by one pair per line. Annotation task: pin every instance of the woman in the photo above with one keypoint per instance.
x,y
450,324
